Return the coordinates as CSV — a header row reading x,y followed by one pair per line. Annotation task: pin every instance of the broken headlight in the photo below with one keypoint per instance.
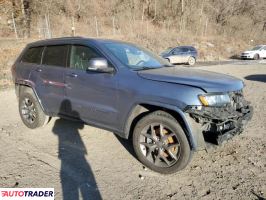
x,y
218,100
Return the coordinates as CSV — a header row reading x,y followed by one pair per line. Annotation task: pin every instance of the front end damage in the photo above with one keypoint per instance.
x,y
219,124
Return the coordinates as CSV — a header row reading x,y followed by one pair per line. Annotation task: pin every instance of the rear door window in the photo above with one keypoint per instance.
x,y
33,55
55,55
192,49
184,50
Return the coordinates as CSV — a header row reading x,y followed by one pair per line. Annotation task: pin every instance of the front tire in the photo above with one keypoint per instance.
x,y
30,111
256,57
160,143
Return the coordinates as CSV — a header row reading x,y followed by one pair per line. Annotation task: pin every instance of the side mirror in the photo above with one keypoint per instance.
x,y
99,65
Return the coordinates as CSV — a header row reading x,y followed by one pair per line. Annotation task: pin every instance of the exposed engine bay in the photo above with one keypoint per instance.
x,y
219,124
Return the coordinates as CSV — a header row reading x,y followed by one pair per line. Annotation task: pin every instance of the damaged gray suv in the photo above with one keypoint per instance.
x,y
169,112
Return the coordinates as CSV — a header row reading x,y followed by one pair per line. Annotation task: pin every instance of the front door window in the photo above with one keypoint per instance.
x,y
80,57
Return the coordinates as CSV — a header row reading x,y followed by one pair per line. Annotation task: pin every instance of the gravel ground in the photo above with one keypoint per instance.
x,y
82,162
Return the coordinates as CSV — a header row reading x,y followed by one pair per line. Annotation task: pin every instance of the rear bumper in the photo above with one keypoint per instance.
x,y
221,124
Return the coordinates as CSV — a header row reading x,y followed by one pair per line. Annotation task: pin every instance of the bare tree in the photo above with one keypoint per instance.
x,y
26,13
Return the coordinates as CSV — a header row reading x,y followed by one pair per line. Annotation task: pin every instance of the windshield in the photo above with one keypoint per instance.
x,y
256,48
166,51
135,57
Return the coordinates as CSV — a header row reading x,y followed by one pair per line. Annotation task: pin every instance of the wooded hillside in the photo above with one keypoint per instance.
x,y
220,25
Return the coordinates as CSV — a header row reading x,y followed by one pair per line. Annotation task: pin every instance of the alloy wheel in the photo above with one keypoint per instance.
x,y
160,145
191,61
28,110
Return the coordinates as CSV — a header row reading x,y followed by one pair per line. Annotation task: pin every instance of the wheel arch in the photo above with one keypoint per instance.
x,y
23,86
142,109
191,56
168,58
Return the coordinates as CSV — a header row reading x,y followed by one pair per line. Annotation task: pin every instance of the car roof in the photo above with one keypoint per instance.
x,y
190,47
260,45
68,40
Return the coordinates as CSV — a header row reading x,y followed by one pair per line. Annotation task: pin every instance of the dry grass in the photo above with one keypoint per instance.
x,y
153,36
219,30
142,33
9,50
209,48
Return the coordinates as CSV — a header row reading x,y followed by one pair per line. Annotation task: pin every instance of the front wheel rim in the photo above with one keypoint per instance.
x,y
28,111
159,145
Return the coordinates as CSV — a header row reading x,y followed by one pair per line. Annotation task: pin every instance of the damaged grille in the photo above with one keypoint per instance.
x,y
222,123
237,100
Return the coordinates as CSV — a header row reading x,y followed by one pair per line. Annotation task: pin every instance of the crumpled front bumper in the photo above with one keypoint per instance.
x,y
219,124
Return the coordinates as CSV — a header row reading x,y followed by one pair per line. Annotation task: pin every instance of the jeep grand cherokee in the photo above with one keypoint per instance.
x,y
168,111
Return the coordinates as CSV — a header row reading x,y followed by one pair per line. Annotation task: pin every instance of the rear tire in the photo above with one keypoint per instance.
x,y
191,61
160,143
30,110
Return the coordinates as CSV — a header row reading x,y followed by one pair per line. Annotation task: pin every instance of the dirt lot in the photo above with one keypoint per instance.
x,y
81,161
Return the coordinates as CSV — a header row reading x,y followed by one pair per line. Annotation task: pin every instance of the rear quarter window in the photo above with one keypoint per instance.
x,y
55,55
32,55
192,49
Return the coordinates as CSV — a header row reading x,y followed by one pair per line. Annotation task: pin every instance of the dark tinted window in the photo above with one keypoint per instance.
x,y
184,49
55,55
192,49
180,50
80,56
33,55
177,50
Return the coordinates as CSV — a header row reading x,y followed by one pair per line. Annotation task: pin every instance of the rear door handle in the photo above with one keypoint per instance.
x,y
72,75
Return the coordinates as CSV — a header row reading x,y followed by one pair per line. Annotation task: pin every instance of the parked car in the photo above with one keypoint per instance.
x,y
181,54
256,53
128,90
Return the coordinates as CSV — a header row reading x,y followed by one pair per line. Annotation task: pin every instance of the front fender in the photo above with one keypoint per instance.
x,y
190,127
